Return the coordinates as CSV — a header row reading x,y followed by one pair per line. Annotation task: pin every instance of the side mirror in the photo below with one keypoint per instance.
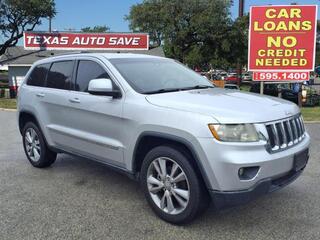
x,y
103,87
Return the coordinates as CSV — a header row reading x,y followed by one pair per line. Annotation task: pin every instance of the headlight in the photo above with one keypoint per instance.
x,y
235,132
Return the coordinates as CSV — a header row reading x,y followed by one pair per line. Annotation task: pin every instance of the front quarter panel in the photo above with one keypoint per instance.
x,y
141,117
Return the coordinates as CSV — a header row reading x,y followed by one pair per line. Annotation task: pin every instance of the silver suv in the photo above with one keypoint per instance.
x,y
159,122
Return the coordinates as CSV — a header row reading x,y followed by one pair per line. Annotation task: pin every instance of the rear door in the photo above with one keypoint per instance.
x,y
54,107
33,90
97,124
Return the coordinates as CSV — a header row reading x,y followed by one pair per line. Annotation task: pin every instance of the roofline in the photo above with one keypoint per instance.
x,y
20,65
11,61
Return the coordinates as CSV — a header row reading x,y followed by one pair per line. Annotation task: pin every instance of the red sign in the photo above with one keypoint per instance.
x,y
282,38
89,41
281,76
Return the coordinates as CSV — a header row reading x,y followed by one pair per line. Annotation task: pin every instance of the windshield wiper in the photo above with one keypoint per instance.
x,y
164,90
197,87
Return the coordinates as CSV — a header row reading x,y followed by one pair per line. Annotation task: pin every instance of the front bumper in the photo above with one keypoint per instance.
x,y
230,199
222,161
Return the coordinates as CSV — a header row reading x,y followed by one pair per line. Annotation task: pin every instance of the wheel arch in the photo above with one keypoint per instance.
x,y
24,117
148,140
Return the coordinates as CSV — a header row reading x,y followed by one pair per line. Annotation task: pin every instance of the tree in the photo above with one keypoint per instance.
x,y
148,17
17,16
318,44
98,29
194,32
238,37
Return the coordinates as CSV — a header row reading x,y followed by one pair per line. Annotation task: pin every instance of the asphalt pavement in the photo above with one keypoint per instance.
x,y
79,199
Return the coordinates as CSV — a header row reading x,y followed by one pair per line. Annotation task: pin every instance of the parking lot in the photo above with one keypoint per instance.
x,y
80,199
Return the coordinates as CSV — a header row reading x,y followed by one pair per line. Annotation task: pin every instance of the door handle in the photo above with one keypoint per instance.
x,y
40,95
74,100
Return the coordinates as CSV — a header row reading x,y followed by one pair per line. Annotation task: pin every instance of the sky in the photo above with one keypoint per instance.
x,y
72,15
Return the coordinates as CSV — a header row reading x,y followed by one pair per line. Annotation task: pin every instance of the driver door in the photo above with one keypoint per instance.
x,y
96,120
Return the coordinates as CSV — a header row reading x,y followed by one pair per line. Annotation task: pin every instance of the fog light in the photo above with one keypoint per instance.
x,y
247,173
241,171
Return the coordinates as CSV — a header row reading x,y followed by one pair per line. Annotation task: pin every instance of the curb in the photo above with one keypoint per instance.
x,y
311,122
8,109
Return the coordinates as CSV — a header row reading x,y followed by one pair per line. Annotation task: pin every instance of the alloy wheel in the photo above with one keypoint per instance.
x,y
32,144
168,185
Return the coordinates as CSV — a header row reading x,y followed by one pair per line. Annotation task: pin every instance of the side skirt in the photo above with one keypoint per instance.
x,y
123,171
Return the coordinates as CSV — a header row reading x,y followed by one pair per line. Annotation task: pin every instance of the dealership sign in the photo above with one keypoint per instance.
x,y
282,41
85,41
281,76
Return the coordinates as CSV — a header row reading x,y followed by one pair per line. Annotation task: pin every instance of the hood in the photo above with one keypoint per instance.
x,y
227,106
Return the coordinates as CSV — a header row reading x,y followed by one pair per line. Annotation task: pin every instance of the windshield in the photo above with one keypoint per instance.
x,y
153,75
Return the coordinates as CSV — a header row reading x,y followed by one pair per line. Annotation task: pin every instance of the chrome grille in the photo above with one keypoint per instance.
x,y
285,133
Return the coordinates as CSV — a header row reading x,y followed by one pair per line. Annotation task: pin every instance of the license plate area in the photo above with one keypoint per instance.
x,y
300,160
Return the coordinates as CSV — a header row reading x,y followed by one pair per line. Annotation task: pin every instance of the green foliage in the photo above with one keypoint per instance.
x,y
17,16
318,55
195,32
7,103
98,29
239,38
148,17
318,44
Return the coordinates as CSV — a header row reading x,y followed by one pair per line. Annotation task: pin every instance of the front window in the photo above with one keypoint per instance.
x,y
152,75
88,70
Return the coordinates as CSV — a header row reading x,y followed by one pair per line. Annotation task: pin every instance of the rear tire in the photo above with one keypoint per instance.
x,y
172,186
35,147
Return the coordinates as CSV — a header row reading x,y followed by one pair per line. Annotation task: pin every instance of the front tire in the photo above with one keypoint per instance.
x,y
35,147
171,185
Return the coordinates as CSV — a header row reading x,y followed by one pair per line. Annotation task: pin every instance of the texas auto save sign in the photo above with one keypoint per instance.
x,y
282,42
89,41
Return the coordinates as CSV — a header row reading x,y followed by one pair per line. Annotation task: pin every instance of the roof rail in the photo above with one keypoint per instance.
x,y
74,52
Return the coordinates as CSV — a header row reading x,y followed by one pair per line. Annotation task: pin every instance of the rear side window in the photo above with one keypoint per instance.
x,y
38,75
88,70
60,75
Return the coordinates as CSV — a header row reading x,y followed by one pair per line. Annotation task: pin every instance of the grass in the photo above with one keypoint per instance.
x,y
308,113
8,103
311,113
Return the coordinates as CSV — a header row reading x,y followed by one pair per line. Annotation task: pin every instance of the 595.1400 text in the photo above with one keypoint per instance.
x,y
281,76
